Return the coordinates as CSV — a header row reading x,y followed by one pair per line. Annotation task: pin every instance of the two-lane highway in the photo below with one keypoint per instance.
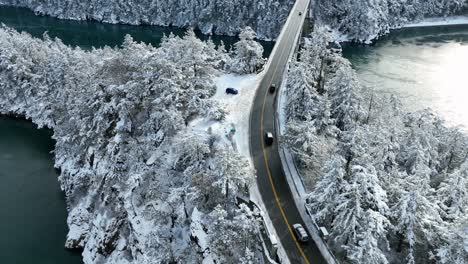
x,y
270,176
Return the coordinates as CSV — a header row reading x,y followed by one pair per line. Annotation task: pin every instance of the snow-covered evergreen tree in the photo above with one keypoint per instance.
x,y
416,216
368,250
361,192
248,53
329,187
344,96
453,193
302,98
240,228
232,173
303,142
455,248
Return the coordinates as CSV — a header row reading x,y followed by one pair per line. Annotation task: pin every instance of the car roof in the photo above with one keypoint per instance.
x,y
300,230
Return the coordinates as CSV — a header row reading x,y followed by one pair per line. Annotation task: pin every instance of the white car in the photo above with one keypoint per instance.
x,y
301,233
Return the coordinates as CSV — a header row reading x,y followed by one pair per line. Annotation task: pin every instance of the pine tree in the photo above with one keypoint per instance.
x,y
343,88
362,192
414,214
328,189
455,248
368,250
453,193
302,140
248,54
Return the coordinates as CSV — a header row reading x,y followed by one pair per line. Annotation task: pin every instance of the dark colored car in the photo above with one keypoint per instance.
x,y
272,88
300,13
269,138
231,91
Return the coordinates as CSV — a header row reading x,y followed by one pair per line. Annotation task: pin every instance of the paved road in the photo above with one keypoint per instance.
x,y
271,179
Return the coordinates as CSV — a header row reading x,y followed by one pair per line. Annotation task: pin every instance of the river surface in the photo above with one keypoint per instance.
x,y
87,34
33,215
425,67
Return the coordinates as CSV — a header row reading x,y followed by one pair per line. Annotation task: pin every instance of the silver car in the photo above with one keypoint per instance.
x,y
301,233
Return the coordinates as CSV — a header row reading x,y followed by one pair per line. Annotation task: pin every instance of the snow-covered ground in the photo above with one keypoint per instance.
x,y
237,107
439,21
197,231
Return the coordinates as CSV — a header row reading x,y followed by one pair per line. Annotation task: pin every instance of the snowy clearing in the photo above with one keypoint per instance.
x,y
238,106
235,127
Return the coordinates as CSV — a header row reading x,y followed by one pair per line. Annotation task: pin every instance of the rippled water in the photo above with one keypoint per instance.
x,y
426,67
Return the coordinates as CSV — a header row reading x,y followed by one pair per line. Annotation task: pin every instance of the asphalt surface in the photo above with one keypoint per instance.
x,y
270,176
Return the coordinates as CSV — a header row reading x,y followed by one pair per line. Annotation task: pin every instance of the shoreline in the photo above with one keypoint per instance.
x,y
425,23
438,21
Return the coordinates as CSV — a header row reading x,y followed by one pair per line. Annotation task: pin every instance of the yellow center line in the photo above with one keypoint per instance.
x,y
283,214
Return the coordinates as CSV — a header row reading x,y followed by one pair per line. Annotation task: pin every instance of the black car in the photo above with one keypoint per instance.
x,y
231,91
269,138
272,88
300,13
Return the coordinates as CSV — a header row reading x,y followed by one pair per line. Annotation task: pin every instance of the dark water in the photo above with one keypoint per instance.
x,y
87,34
33,215
425,67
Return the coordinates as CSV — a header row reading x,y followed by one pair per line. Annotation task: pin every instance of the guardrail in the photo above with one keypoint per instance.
x,y
297,187
265,235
